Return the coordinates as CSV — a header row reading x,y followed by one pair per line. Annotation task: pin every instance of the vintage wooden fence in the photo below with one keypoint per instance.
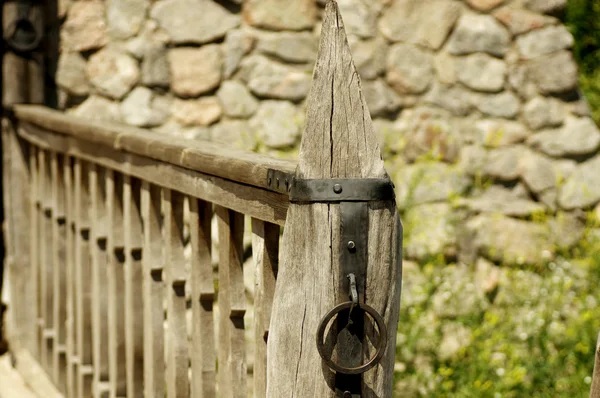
x,y
110,241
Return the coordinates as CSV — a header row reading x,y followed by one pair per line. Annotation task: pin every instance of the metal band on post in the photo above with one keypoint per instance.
x,y
353,196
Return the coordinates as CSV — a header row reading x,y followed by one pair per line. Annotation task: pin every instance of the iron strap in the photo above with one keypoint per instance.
x,y
341,190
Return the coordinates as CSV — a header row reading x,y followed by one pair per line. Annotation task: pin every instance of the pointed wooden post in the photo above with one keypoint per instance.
x,y
338,143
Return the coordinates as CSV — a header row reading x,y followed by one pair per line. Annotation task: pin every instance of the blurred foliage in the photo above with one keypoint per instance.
x,y
533,336
583,20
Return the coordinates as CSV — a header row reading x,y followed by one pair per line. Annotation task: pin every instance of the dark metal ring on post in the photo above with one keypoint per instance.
x,y
382,343
16,43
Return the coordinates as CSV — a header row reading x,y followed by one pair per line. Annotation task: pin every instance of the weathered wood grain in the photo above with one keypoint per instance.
x,y
203,295
71,339
59,257
134,323
100,258
338,142
265,250
83,285
202,156
595,388
15,88
255,202
177,348
116,288
34,235
232,304
154,362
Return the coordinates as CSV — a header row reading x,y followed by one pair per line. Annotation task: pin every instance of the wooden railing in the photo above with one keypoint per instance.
x,y
126,253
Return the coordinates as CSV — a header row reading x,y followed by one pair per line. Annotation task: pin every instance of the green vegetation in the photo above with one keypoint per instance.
x,y
492,331
583,20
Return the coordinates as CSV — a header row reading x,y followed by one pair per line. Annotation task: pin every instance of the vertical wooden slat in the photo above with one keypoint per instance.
x,y
177,351
99,233
34,249
265,250
203,295
83,286
59,257
116,299
46,275
232,306
134,323
72,362
154,363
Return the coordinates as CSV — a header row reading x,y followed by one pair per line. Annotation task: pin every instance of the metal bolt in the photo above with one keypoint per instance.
x,y
270,181
347,394
277,182
351,245
337,188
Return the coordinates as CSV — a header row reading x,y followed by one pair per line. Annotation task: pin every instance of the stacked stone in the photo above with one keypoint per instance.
x,y
476,101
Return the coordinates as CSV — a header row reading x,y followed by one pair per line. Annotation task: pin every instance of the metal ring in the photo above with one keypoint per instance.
x,y
380,346
22,23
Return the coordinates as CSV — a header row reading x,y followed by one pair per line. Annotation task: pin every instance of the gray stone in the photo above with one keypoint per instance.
x,y
369,57
455,99
472,159
546,6
455,337
289,46
277,15
429,182
537,172
564,168
270,79
71,73
197,112
236,100
380,97
235,133
457,295
582,188
429,132
579,136
98,108
554,73
414,283
505,104
497,199
487,276
479,33
125,17
195,71
409,69
520,82
150,38
498,132
543,112
503,163
84,28
277,124
429,230
426,23
113,72
390,136
142,108
63,7
484,5
445,68
155,67
174,129
567,229
482,72
544,41
237,44
193,21
359,17
509,241
520,21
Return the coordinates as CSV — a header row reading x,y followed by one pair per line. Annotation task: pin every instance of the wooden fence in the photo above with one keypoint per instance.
x,y
116,291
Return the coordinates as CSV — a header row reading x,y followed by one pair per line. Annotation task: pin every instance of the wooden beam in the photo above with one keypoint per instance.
x,y
338,142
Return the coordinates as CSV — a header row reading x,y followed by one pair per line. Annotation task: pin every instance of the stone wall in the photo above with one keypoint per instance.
x,y
485,132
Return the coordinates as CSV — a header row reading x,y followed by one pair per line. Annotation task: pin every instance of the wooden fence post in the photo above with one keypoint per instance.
x,y
338,143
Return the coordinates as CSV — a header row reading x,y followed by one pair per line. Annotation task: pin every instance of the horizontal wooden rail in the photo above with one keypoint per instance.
x,y
231,178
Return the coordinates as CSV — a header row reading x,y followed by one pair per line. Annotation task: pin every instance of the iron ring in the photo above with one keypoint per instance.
x,y
382,343
22,23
